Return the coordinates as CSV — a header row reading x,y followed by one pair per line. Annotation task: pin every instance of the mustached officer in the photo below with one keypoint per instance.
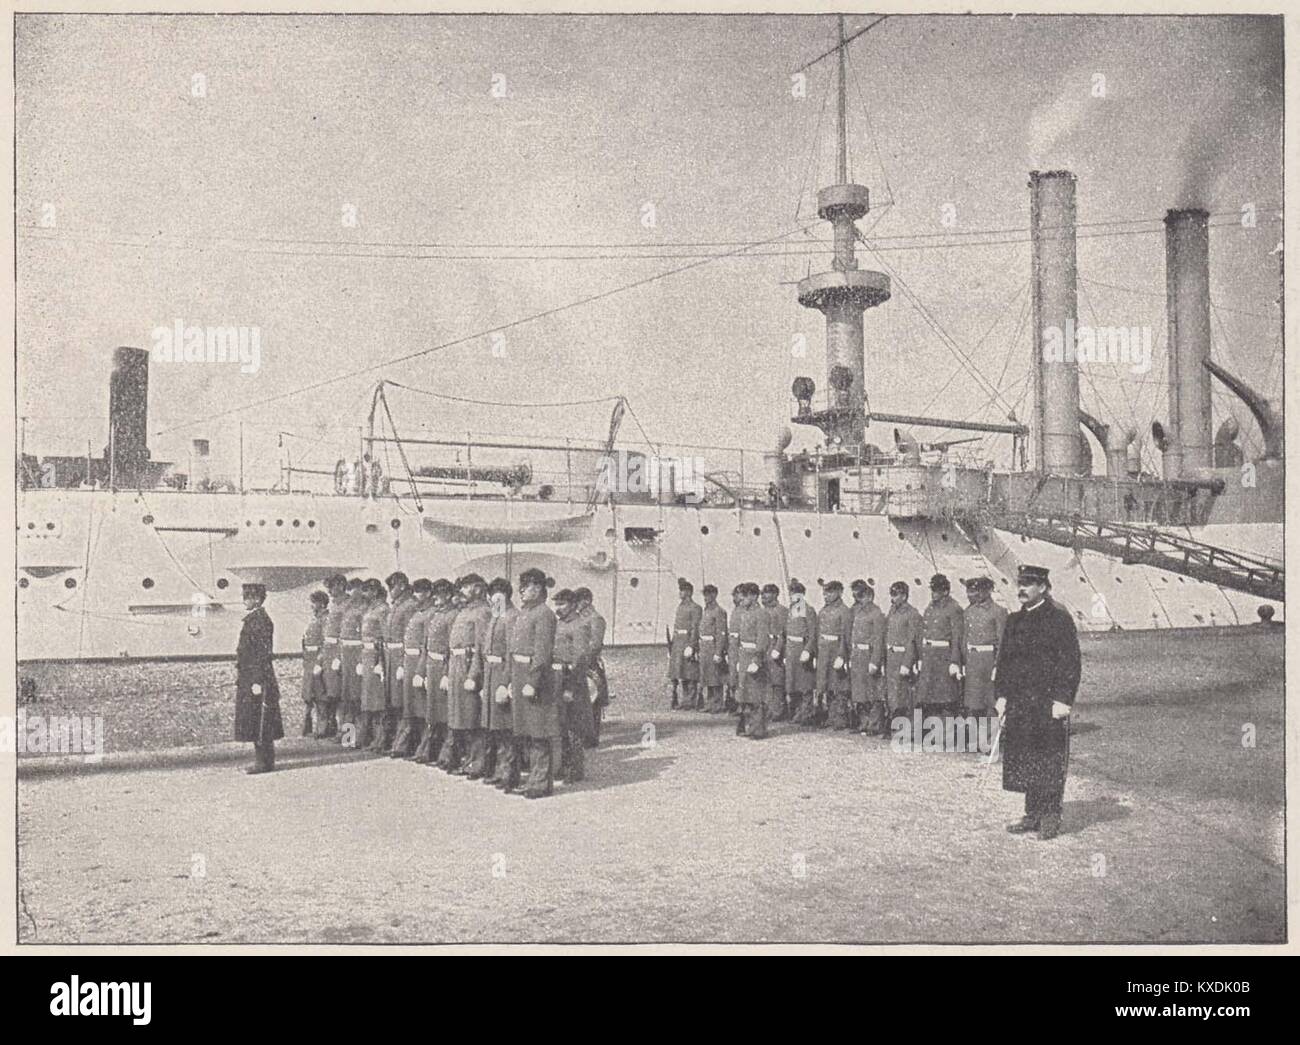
x,y
257,693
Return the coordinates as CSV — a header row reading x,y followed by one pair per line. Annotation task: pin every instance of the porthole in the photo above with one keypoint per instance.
x,y
871,581
248,522
807,533
916,581
900,536
222,583
943,536
147,520
71,582
147,583
1180,580
31,526
758,531
261,522
633,582
704,530
609,532
371,528
396,524
1119,580
49,526
1083,580
23,582
279,522
297,523
311,524
856,535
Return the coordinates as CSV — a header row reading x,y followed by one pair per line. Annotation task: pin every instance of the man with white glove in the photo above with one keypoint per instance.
x,y
800,644
1038,671
409,688
313,672
902,652
943,647
683,668
536,718
985,623
866,656
834,627
713,650
755,691
257,693
465,735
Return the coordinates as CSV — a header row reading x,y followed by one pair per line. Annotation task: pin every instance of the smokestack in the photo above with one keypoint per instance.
x,y
1187,288
1056,371
128,416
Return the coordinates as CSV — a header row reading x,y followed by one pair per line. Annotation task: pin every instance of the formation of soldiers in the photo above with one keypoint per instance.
x,y
455,675
845,666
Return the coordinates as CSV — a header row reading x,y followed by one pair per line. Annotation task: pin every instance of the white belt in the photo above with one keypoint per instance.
x,y
794,638
311,649
459,651
683,631
412,651
331,640
942,643
392,645
975,648
437,656
523,658
862,645
708,638
350,642
831,638
897,649
492,658
749,645
557,667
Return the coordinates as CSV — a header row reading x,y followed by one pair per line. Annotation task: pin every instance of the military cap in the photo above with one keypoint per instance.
x,y
584,594
1032,575
710,589
335,580
771,589
500,584
532,576
940,583
977,583
442,586
899,588
684,585
320,598
833,586
422,584
563,595
468,579
355,583
859,585
397,577
253,591
752,589
795,587
376,587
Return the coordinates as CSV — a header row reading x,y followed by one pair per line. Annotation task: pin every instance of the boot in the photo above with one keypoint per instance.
x,y
1049,827
480,747
759,729
1024,825
375,724
740,724
540,777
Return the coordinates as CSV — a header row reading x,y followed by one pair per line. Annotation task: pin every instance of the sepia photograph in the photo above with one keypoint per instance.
x,y
629,478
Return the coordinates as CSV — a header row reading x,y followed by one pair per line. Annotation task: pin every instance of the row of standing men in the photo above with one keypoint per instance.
x,y
455,675
847,665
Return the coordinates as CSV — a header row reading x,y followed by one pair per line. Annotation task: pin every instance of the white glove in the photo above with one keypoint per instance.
x,y
1000,706
336,664
993,675
444,684
568,696
417,681
401,672
1060,710
528,690
916,668
753,668
805,657
873,669
316,670
839,663
469,685
776,654
688,652
359,670
717,658
954,670
502,695
902,670
378,669
257,690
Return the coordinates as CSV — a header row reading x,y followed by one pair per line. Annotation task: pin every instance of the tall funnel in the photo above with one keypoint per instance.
x,y
1187,288
128,416
1056,312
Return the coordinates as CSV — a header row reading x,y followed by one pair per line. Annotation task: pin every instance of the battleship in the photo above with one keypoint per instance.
x,y
123,556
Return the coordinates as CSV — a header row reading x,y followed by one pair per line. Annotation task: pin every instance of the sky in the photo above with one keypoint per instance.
x,y
271,173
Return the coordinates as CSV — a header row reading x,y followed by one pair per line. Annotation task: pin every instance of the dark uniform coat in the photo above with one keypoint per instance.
x,y
253,667
752,642
713,646
374,685
437,656
800,638
569,661
833,626
1038,663
330,657
350,649
902,650
415,702
313,672
985,622
776,617
868,643
394,649
496,710
943,631
532,646
468,634
733,649
686,633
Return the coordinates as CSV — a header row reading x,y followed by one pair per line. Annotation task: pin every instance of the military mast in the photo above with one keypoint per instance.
x,y
842,295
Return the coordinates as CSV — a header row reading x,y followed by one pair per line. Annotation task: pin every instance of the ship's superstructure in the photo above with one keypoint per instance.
x,y
123,556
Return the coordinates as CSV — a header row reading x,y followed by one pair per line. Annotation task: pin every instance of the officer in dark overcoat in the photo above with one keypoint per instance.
x,y
1037,677
257,693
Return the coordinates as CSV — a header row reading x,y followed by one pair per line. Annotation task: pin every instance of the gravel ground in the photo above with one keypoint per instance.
x,y
682,832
